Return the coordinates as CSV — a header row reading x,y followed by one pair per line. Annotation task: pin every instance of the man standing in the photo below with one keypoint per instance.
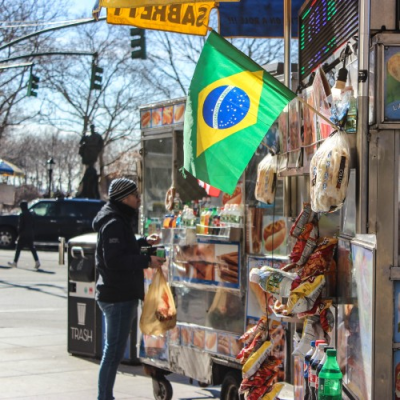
x,y
120,282
26,226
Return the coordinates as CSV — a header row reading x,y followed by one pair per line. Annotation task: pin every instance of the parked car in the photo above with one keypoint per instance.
x,y
53,218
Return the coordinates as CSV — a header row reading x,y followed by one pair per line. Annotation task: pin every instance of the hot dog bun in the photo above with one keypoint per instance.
x,y
211,339
198,338
156,117
274,235
179,110
145,119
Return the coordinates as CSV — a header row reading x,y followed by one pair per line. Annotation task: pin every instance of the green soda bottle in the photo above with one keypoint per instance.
x,y
330,378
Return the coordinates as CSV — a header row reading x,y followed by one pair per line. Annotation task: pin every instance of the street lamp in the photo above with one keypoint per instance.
x,y
50,162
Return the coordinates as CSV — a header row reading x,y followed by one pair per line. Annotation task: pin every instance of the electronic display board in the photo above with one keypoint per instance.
x,y
324,25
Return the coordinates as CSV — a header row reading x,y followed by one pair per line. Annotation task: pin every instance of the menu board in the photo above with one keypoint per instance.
x,y
212,264
162,116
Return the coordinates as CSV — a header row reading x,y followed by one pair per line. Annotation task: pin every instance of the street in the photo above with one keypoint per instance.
x,y
34,362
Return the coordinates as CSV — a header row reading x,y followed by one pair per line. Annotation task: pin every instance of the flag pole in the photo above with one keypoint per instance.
x,y
335,127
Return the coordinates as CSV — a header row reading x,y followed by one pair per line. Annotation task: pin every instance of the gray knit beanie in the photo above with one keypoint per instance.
x,y
121,188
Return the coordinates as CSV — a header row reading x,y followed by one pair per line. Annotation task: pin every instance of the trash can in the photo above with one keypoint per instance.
x,y
86,324
84,316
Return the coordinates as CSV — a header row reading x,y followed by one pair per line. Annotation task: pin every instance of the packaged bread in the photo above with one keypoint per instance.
x,y
329,173
266,179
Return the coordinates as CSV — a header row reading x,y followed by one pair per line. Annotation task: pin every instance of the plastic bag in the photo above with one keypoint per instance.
x,y
159,311
266,179
329,173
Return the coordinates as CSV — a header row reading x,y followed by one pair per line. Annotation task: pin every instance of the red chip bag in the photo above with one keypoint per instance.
x,y
320,260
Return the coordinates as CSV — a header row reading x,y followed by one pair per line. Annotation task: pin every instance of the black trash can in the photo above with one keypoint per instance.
x,y
86,325
84,316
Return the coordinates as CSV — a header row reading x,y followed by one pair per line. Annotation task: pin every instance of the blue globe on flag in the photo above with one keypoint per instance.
x,y
225,106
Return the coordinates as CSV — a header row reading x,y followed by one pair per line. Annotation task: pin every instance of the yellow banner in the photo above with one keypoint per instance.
x,y
191,19
143,3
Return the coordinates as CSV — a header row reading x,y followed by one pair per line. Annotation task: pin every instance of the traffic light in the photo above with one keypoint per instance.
x,y
33,85
138,43
96,78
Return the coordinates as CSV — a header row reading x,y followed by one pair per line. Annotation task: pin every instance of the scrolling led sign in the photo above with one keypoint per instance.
x,y
324,26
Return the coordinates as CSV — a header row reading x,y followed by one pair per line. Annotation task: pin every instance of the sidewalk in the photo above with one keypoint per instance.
x,y
34,363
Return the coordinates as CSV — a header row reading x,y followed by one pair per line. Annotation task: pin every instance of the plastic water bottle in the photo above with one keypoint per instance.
x,y
306,366
330,378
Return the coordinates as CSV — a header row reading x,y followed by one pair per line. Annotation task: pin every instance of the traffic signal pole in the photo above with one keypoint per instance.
x,y
54,28
49,53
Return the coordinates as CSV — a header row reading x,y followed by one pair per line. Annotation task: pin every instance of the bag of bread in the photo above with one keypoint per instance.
x,y
329,173
266,179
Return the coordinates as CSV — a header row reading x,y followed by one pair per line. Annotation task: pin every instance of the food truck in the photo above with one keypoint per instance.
x,y
348,65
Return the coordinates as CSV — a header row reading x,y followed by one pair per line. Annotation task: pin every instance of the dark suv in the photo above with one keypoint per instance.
x,y
53,218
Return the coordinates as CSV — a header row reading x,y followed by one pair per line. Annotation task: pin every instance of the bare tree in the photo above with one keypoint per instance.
x,y
20,18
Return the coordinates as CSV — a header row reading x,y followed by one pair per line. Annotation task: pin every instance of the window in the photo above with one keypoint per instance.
x,y
45,209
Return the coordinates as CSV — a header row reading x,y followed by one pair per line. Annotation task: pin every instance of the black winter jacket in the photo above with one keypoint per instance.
x,y
26,226
118,260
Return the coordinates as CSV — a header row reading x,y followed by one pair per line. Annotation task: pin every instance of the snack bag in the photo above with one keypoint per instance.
x,y
254,362
312,330
306,215
159,311
320,260
303,296
273,281
273,391
329,173
266,179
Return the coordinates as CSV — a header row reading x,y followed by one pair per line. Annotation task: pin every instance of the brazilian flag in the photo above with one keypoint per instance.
x,y
232,102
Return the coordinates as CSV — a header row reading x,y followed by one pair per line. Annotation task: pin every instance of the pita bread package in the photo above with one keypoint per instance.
x,y
266,179
329,173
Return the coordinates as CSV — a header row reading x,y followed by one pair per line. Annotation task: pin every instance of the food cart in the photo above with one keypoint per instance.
x,y
363,281
207,267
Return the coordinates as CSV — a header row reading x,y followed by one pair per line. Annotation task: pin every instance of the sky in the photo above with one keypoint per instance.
x,y
81,7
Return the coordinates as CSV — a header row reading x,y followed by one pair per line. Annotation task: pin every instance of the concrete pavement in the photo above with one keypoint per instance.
x,y
34,362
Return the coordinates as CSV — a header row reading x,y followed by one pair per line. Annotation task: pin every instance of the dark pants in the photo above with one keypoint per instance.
x,y
118,318
30,246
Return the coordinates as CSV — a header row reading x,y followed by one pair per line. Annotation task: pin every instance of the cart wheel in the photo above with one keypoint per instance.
x,y
230,386
162,389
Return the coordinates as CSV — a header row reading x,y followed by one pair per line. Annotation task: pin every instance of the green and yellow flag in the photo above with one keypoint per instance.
x,y
232,103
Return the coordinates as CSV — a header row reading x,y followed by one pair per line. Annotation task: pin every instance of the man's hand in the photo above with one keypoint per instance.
x,y
156,262
153,239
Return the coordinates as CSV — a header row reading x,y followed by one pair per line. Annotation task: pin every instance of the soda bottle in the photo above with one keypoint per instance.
x,y
311,381
306,365
320,365
314,365
330,378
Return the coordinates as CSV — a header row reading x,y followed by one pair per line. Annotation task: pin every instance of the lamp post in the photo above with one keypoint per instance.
x,y
50,162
